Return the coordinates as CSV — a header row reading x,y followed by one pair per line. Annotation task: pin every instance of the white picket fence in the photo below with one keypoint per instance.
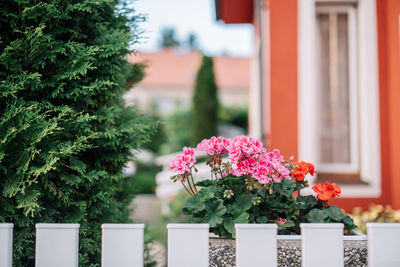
x,y
256,245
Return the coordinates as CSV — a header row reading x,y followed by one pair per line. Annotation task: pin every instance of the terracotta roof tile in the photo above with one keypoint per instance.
x,y
170,68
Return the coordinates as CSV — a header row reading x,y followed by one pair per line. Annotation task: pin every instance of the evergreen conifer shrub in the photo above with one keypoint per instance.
x,y
205,103
65,134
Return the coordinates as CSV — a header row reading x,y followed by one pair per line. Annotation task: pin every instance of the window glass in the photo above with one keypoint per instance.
x,y
334,88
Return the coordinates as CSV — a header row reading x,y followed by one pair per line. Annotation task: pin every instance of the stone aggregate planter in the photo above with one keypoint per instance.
x,y
223,251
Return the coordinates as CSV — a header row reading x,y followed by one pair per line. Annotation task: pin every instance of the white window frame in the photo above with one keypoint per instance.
x,y
353,166
368,98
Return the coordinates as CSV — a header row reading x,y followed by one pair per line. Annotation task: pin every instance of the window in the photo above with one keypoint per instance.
x,y
338,108
337,91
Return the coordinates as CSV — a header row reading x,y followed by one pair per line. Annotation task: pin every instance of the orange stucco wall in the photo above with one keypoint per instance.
x,y
389,52
283,73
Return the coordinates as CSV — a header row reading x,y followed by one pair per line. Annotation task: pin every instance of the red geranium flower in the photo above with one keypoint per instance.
x,y
303,168
326,191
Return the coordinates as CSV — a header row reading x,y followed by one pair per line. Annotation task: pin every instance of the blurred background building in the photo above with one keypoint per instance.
x,y
326,88
170,80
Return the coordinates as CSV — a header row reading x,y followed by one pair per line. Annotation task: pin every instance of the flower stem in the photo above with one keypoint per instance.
x,y
265,196
195,188
186,188
190,185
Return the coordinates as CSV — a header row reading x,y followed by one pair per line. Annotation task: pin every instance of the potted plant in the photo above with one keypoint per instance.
x,y
250,184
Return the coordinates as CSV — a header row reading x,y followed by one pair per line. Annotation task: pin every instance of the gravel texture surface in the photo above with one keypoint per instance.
x,y
222,253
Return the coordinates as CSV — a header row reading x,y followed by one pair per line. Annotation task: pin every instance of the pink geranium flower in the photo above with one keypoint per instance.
x,y
183,162
214,145
281,221
248,156
243,147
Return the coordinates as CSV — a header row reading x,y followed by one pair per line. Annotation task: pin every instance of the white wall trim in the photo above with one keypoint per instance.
x,y
256,81
307,93
370,160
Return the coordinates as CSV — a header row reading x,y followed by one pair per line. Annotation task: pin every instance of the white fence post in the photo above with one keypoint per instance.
x,y
122,245
188,245
322,244
57,244
6,240
383,244
256,245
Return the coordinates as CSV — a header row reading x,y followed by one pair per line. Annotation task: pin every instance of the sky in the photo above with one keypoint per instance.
x,y
197,16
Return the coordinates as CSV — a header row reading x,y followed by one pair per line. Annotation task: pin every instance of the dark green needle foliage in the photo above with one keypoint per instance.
x,y
65,134
205,103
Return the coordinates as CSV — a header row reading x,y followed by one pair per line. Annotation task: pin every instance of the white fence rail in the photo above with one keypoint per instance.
x,y
122,245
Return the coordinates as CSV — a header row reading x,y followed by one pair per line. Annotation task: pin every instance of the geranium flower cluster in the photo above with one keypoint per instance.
x,y
303,168
184,162
257,185
326,191
215,145
246,156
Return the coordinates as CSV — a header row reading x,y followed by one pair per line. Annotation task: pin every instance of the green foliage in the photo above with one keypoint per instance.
x,y
144,180
159,138
275,201
173,134
237,116
64,131
177,134
205,103
135,74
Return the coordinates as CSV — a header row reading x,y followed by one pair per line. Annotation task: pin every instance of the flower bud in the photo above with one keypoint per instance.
x,y
256,201
228,194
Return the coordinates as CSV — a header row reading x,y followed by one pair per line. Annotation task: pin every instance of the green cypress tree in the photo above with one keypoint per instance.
x,y
65,134
205,103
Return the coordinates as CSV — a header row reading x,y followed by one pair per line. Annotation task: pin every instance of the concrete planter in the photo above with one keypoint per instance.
x,y
223,251
57,244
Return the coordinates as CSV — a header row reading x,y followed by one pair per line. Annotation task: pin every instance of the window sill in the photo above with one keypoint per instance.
x,y
341,178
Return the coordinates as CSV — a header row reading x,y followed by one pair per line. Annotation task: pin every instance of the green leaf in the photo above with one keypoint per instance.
x,y
308,201
242,218
243,202
286,187
215,211
193,205
229,224
335,213
288,224
205,194
349,223
206,183
262,219
216,190
317,216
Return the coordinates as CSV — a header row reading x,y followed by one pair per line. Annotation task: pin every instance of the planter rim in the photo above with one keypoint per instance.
x,y
122,226
57,226
382,225
188,226
6,225
256,226
321,226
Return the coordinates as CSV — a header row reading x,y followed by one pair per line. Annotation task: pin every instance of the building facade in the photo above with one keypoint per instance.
x,y
325,88
170,79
